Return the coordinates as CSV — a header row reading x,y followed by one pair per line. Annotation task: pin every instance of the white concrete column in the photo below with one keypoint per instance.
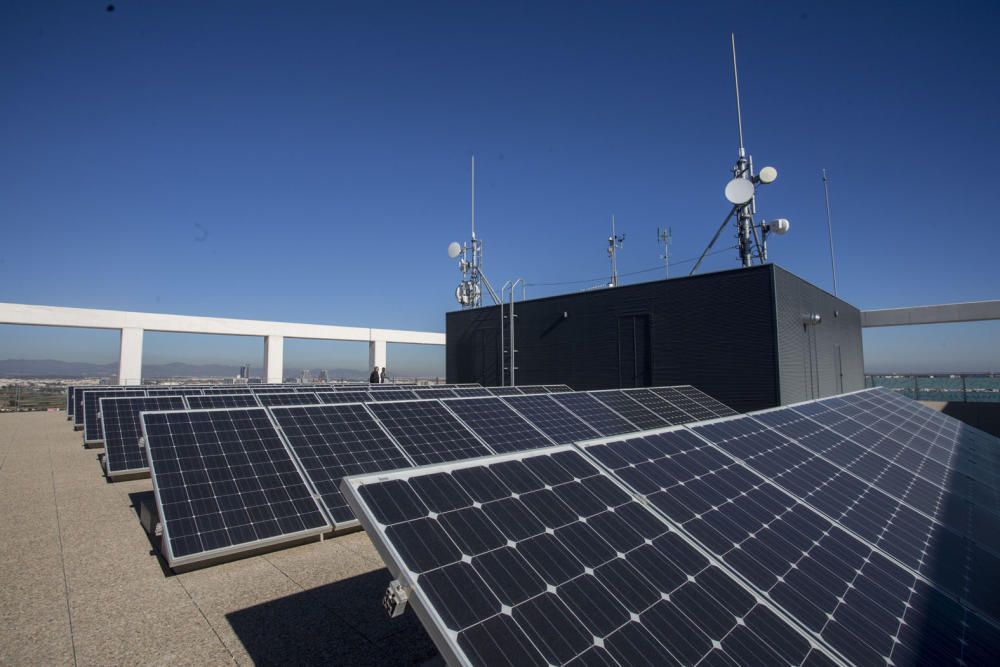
x,y
376,354
274,359
130,356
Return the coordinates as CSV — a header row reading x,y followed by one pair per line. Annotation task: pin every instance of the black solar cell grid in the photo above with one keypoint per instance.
x,y
864,605
224,483
532,389
334,441
497,424
663,408
620,402
78,399
561,425
434,392
597,415
296,398
555,388
703,399
395,395
471,392
227,390
504,391
123,429
427,432
543,559
695,411
209,401
92,430
343,396
174,391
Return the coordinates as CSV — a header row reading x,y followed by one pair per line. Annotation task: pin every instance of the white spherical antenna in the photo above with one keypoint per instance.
x,y
454,249
779,226
739,191
768,175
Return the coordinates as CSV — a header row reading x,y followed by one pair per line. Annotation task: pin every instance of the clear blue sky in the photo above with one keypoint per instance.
x,y
309,161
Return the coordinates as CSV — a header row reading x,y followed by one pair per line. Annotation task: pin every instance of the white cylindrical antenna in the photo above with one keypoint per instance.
x,y
473,197
829,227
736,79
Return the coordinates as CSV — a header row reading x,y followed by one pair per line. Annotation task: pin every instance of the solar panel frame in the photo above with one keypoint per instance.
x,y
93,433
233,550
448,641
123,453
221,401
313,457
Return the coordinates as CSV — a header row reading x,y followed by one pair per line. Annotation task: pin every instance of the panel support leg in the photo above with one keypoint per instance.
x,y
274,361
130,356
376,354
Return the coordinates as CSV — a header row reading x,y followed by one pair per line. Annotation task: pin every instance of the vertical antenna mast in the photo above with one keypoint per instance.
x,y
614,243
473,197
736,79
663,236
829,227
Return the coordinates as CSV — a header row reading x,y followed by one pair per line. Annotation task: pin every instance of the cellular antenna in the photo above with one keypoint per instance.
x,y
473,197
736,80
469,292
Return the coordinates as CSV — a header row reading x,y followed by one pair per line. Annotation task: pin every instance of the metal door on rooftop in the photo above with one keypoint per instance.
x,y
635,368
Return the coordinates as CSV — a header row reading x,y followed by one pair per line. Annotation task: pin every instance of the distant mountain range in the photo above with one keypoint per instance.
x,y
51,368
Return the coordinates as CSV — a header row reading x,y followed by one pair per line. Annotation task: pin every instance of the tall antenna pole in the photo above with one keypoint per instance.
x,y
473,197
736,79
829,227
663,236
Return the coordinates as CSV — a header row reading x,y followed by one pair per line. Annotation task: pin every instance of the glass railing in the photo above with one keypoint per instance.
x,y
954,387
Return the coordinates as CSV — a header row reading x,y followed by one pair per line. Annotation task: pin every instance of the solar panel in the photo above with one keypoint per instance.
x,y
92,431
334,441
532,389
620,402
435,392
663,408
343,396
122,430
395,395
696,411
504,391
273,389
174,391
862,604
210,401
427,432
541,558
78,400
556,388
471,392
600,417
497,424
225,483
554,420
704,400
227,390
269,399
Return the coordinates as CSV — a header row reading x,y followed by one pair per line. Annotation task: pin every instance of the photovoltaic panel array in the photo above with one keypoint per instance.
x,y
504,391
224,483
704,400
334,441
532,389
434,393
554,420
497,424
694,409
294,398
541,558
343,396
392,395
427,432
227,390
175,391
92,431
600,417
471,392
556,388
629,408
659,405
859,600
122,430
209,401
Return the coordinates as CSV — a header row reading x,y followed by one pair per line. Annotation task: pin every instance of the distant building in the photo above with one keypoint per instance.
x,y
306,376
323,377
245,371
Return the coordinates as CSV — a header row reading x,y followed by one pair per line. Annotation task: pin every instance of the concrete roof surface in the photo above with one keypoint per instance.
x,y
80,583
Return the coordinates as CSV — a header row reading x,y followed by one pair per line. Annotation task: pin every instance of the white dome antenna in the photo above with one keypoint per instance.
x,y
454,249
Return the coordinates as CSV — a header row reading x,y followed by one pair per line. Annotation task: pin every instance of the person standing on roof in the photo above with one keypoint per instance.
x,y
382,376
374,377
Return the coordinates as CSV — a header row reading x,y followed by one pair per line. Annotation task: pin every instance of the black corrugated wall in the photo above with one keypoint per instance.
x,y
720,332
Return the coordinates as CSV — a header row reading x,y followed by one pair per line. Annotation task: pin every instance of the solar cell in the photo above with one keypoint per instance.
x,y
663,408
497,424
334,441
504,391
861,603
122,430
600,417
343,396
269,399
620,402
395,395
471,392
225,483
540,558
427,432
92,431
209,401
680,401
551,418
